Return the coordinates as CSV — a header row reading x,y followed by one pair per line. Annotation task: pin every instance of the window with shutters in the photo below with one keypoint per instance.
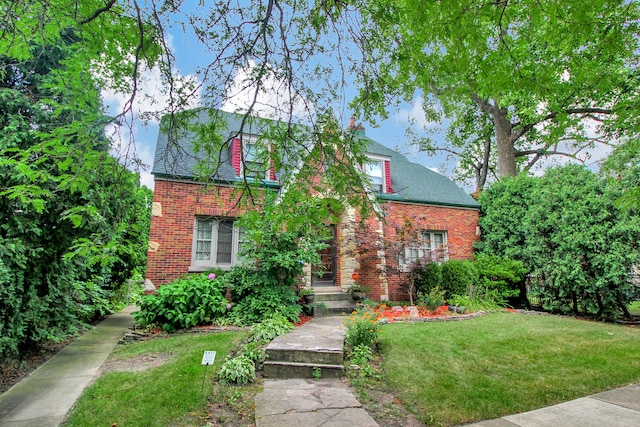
x,y
377,172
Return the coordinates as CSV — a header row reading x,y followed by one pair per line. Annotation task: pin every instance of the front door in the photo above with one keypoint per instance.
x,y
324,274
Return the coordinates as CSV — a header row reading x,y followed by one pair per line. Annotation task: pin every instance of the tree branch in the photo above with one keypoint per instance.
x,y
98,12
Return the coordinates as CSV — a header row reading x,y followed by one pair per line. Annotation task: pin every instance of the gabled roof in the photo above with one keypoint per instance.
x,y
410,181
180,160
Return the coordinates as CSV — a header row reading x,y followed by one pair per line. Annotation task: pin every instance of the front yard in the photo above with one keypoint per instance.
x,y
451,373
446,373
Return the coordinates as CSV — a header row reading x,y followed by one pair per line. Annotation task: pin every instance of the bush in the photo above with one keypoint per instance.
x,y
187,302
362,328
503,275
432,299
258,296
457,277
428,276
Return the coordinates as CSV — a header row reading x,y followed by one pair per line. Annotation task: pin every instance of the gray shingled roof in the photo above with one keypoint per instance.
x,y
413,182
410,181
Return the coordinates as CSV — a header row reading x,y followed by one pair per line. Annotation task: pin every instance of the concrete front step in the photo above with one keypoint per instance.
x,y
318,343
330,357
287,370
333,308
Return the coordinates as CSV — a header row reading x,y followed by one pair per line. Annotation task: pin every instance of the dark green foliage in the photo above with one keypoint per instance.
x,y
73,221
428,276
567,230
503,275
457,277
257,297
190,301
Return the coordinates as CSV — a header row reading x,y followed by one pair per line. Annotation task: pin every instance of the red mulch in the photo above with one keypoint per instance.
x,y
389,313
303,319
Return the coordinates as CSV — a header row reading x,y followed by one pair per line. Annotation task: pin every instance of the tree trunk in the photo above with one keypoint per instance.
x,y
504,143
504,135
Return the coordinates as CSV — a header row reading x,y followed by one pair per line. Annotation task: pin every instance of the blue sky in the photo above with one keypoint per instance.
x,y
189,56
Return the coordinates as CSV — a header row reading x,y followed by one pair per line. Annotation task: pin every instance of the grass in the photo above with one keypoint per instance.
x,y
167,395
451,373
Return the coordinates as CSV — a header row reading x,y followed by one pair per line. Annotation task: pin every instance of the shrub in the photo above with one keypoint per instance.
x,y
237,370
258,296
504,275
428,276
362,328
457,277
432,299
187,302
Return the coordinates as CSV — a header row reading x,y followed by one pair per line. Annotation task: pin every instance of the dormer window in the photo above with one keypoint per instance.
x,y
252,167
248,160
377,170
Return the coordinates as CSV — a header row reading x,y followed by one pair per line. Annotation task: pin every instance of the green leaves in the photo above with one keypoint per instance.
x,y
540,71
569,234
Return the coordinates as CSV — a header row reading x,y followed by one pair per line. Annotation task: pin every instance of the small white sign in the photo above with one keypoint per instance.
x,y
208,357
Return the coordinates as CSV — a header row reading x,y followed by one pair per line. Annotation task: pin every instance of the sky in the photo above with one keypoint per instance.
x,y
390,132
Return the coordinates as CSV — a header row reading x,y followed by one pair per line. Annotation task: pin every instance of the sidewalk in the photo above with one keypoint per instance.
x,y
614,408
43,398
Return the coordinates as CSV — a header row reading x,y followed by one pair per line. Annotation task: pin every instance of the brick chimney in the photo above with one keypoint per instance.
x,y
358,129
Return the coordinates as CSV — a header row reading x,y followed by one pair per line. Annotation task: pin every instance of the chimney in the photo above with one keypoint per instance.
x,y
358,129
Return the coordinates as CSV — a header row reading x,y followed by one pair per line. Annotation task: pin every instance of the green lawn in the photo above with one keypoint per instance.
x,y
451,373
167,395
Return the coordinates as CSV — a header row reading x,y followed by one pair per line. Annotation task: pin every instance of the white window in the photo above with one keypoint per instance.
x,y
215,243
254,165
432,247
375,171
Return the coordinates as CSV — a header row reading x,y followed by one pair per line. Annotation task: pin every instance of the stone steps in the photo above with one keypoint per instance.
x,y
331,303
311,350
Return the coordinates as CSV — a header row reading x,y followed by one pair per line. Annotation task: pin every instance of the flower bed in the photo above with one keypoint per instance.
x,y
406,313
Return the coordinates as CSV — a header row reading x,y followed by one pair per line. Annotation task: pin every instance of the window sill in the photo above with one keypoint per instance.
x,y
201,268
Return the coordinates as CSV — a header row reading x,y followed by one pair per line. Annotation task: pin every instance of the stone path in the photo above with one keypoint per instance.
x,y
291,402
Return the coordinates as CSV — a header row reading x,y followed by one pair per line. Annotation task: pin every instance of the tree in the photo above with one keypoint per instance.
x,y
577,245
550,75
69,237
622,166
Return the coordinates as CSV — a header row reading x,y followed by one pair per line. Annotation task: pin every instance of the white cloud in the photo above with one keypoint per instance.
x,y
415,115
133,140
273,99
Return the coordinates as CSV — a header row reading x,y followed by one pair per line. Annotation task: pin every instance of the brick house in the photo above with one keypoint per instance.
x,y
193,225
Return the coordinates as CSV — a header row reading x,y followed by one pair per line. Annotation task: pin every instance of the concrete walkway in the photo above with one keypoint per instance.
x,y
43,398
614,408
328,402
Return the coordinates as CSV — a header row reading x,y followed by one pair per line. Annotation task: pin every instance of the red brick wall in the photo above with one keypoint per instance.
x,y
459,223
182,201
173,231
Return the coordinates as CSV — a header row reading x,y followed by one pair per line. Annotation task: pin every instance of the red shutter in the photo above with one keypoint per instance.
x,y
387,177
236,154
272,171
